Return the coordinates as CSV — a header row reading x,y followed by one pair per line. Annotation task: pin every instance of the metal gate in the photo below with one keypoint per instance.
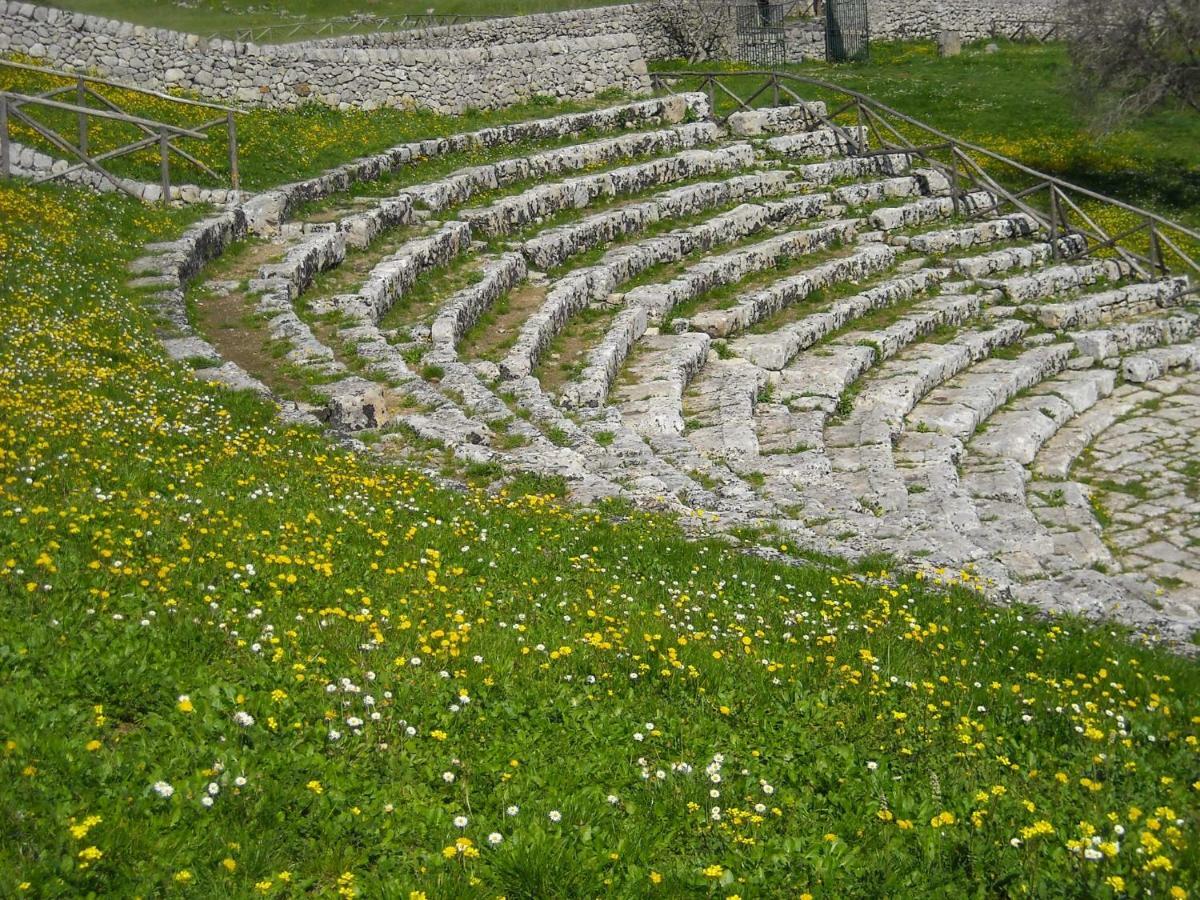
x,y
847,31
760,35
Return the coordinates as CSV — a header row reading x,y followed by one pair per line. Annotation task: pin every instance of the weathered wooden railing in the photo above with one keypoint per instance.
x,y
1038,30
13,109
282,32
1151,244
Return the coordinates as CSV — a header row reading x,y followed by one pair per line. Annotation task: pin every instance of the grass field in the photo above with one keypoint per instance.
x,y
225,16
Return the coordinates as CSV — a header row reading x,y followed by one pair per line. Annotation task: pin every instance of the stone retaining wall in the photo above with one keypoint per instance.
x,y
445,80
889,20
907,19
483,64
630,18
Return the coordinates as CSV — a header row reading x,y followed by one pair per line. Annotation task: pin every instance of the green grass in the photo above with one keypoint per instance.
x,y
1018,102
274,146
225,16
172,560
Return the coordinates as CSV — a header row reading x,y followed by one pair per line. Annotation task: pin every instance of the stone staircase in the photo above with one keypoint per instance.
x,y
752,328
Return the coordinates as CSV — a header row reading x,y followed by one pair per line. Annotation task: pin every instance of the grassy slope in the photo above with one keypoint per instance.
x,y
1018,102
152,529
275,146
208,16
170,558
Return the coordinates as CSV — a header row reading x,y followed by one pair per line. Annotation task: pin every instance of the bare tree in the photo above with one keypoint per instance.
x,y
1133,55
699,28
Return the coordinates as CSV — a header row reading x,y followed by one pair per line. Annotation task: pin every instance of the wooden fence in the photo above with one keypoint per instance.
x,y
15,107
1151,244
1037,30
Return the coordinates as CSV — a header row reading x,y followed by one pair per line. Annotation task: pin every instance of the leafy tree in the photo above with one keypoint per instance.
x,y
1134,55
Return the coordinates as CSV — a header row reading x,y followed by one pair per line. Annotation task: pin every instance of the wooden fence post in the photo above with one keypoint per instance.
x,y
164,149
3,137
80,99
954,178
1054,222
231,128
1156,260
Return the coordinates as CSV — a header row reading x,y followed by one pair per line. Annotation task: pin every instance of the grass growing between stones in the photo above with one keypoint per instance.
x,y
236,660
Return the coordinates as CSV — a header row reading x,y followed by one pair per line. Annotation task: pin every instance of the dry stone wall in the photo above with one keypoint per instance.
x,y
630,18
907,19
446,80
485,64
889,20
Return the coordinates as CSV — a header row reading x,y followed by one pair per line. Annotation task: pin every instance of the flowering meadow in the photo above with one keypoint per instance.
x,y
236,661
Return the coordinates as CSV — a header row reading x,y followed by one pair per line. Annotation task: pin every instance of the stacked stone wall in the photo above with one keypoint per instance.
x,y
906,19
484,64
446,80
631,18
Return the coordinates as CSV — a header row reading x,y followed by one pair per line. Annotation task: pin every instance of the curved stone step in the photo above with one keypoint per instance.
x,y
958,407
798,116
929,209
820,143
836,170
1104,306
1020,430
1060,279
897,386
1157,362
1022,257
652,400
266,212
458,314
728,268
573,293
1056,456
554,246
748,310
511,213
822,377
460,186
988,231
1144,332
394,275
775,349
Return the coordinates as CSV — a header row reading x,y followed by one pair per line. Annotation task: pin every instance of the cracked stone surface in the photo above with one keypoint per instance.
x,y
1143,474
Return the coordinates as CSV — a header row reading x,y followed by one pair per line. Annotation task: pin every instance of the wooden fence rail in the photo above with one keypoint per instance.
x,y
14,108
1037,30
1149,243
